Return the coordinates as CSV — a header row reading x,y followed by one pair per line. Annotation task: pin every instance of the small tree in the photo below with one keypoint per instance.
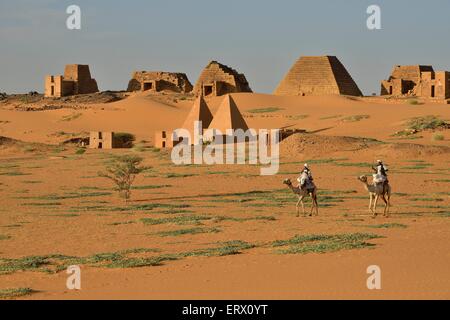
x,y
122,171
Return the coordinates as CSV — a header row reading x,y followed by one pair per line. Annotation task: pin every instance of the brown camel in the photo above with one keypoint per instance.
x,y
302,193
375,192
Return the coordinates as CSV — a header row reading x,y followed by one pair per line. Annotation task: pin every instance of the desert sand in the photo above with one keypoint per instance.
x,y
53,202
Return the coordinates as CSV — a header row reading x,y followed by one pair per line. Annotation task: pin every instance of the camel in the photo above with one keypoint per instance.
x,y
302,193
375,192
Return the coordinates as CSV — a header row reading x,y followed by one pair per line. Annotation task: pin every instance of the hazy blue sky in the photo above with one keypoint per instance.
x,y
260,38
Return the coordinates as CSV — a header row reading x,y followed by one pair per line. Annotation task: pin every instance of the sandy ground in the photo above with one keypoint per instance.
x,y
53,202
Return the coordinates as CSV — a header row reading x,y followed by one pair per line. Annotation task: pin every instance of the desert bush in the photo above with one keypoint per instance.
x,y
123,171
125,140
438,137
426,123
413,102
356,118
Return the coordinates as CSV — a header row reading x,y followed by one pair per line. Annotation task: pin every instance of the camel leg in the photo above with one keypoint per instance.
x,y
316,204
296,206
370,203
388,203
375,205
303,207
312,204
385,204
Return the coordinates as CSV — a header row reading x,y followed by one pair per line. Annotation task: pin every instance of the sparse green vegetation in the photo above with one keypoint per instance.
x,y
298,117
72,195
14,173
179,175
426,123
177,220
236,219
413,102
4,237
150,187
356,118
387,226
438,137
331,117
42,204
265,110
181,232
71,117
418,166
56,262
324,243
120,223
428,199
15,293
31,181
80,151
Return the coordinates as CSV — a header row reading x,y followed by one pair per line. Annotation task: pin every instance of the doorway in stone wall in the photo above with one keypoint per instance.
x,y
148,86
207,90
433,91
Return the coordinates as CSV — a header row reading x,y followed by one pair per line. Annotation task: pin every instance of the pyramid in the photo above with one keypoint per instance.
x,y
199,112
228,117
218,79
318,75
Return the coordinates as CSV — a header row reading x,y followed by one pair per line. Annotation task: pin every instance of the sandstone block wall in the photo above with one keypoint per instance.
x,y
101,140
159,81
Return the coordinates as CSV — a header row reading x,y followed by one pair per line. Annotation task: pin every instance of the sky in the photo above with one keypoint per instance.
x,y
260,38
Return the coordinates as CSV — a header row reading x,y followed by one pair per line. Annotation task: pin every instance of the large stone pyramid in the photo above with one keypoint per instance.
x,y
199,112
318,75
228,117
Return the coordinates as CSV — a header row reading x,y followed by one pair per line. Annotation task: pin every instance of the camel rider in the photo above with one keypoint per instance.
x,y
380,175
306,177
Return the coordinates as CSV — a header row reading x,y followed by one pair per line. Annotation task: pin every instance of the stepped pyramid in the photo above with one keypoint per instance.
x,y
318,75
228,117
218,79
199,112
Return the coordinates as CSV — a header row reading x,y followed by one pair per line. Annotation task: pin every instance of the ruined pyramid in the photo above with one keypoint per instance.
x,y
218,79
199,112
318,75
228,117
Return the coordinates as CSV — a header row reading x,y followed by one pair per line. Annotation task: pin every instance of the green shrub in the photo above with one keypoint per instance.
x,y
426,123
438,137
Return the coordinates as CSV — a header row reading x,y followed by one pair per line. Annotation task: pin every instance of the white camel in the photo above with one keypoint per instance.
x,y
375,192
302,193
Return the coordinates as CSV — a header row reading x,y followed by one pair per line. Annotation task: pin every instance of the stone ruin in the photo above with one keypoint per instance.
x,y
156,81
76,80
101,140
317,75
218,79
419,81
110,140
